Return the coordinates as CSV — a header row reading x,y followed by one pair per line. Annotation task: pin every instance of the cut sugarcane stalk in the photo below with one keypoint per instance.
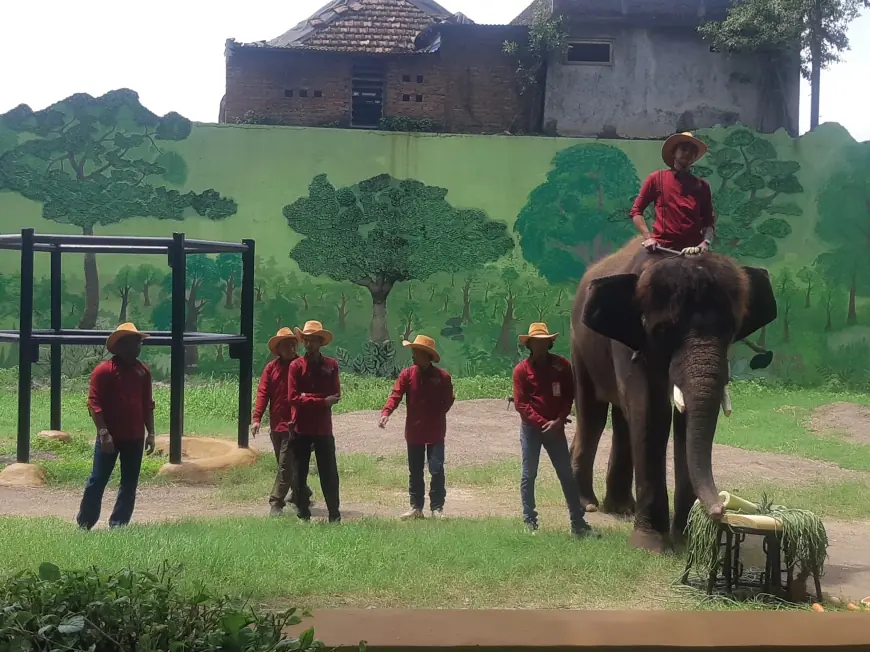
x,y
679,401
734,503
726,402
752,521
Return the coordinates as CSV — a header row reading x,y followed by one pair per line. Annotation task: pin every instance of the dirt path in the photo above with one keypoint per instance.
x,y
844,419
480,432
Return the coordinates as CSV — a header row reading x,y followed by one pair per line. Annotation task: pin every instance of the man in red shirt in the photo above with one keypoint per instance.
x,y
429,392
272,391
684,217
313,388
122,408
543,395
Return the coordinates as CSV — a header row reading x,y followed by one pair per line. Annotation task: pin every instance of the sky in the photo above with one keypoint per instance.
x,y
172,54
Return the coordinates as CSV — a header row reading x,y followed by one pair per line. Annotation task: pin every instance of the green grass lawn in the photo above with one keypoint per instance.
x,y
369,562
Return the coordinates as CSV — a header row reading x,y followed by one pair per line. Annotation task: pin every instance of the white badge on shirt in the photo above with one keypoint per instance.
x,y
557,390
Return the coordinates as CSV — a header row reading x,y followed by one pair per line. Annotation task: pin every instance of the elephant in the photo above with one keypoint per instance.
x,y
646,326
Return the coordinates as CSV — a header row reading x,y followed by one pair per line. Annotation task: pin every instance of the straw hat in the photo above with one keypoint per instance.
x,y
671,144
423,343
283,334
124,330
538,331
314,328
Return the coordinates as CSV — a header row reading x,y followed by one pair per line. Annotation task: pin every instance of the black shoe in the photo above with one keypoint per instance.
x,y
335,518
583,530
532,527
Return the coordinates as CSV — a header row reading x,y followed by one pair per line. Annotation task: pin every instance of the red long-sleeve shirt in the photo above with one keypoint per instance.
x,y
684,208
121,393
545,392
310,382
273,391
429,396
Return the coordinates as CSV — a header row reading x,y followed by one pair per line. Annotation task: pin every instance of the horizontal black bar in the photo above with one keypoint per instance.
x,y
102,249
157,340
13,237
10,337
228,247
122,240
76,331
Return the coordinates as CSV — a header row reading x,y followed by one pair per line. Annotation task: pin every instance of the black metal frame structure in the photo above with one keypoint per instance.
x,y
177,248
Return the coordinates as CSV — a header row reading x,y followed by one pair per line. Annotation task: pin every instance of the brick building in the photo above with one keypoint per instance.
x,y
356,62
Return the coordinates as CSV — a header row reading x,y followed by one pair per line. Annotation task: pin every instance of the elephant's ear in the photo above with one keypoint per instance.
x,y
611,310
760,305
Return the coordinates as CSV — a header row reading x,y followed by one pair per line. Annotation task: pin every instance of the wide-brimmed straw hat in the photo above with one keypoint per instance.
x,y
674,141
283,334
423,343
538,331
127,329
314,328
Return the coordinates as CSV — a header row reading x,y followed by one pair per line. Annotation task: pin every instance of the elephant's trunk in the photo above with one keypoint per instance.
x,y
700,371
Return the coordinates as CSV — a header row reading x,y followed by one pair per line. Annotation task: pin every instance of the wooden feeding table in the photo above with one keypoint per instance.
x,y
728,572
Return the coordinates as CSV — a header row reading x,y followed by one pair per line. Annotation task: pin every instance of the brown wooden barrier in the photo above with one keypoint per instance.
x,y
610,631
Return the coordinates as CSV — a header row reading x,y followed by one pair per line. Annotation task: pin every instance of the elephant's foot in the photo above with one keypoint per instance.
x,y
589,503
621,508
656,542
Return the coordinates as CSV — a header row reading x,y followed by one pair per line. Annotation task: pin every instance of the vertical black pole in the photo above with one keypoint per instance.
x,y
246,360
56,324
178,262
25,344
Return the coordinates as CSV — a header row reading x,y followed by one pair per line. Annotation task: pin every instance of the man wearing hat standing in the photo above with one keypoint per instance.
x,y
429,392
684,218
543,395
122,408
272,391
313,388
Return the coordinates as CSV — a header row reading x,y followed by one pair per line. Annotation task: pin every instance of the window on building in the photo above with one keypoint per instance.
x,y
406,78
406,98
419,79
318,93
367,90
419,98
303,93
288,92
590,52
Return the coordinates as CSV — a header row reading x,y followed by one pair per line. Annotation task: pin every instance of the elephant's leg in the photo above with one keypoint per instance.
x,y
650,429
591,419
618,499
684,494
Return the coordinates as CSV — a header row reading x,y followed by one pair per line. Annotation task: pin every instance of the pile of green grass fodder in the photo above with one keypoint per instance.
x,y
804,532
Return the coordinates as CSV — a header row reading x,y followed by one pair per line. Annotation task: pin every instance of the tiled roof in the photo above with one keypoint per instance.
x,y
374,26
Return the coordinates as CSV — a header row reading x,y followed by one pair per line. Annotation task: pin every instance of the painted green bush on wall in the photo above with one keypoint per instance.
x,y
383,236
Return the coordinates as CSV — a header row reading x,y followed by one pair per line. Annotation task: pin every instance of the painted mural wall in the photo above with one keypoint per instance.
x,y
383,236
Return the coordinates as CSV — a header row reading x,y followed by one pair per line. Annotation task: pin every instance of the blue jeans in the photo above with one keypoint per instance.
x,y
417,456
130,453
556,446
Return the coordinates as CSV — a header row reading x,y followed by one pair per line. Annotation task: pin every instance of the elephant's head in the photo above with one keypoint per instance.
x,y
682,314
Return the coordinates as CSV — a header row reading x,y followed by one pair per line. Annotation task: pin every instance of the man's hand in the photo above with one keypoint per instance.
x,y
649,244
383,421
332,400
106,444
255,429
553,426
150,445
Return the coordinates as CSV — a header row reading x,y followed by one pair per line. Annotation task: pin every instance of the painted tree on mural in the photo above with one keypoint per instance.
x,y
751,197
580,214
844,223
384,231
96,161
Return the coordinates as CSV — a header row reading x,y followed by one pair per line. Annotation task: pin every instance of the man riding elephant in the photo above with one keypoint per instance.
x,y
684,218
646,326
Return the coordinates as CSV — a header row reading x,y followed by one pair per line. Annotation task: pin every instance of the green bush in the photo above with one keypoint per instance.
x,y
135,611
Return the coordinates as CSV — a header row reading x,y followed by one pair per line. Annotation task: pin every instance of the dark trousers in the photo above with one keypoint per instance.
x,y
130,454
285,476
327,468
556,446
418,454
